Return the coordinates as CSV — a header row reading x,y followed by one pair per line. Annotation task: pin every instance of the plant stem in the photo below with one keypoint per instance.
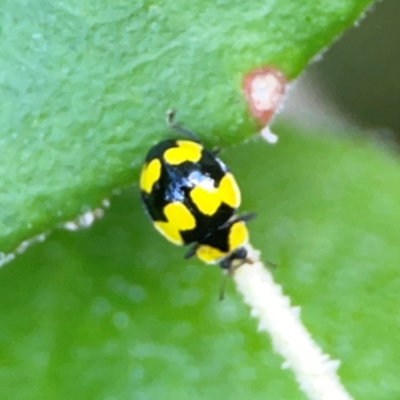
x,y
314,371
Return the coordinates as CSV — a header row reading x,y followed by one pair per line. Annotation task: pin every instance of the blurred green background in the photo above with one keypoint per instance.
x,y
357,79
114,312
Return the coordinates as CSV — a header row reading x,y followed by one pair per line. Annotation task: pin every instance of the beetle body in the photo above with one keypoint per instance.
x,y
191,198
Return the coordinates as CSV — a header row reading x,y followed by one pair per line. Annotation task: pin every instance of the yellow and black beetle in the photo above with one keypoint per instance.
x,y
192,197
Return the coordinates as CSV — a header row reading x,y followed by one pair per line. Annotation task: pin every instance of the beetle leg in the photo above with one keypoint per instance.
x,y
191,252
245,217
170,119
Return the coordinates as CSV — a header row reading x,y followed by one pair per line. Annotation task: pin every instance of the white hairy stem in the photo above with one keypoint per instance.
x,y
315,372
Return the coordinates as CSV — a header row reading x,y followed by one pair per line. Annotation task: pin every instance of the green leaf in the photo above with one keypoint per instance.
x,y
85,85
115,311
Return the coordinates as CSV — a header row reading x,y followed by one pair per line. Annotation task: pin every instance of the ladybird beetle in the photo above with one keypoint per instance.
x,y
191,198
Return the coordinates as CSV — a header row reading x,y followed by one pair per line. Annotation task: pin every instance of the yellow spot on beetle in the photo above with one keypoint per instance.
x,y
151,173
179,218
238,235
206,201
209,254
169,232
186,151
229,191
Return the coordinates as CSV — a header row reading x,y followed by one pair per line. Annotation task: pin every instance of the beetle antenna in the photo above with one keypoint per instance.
x,y
222,286
170,119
